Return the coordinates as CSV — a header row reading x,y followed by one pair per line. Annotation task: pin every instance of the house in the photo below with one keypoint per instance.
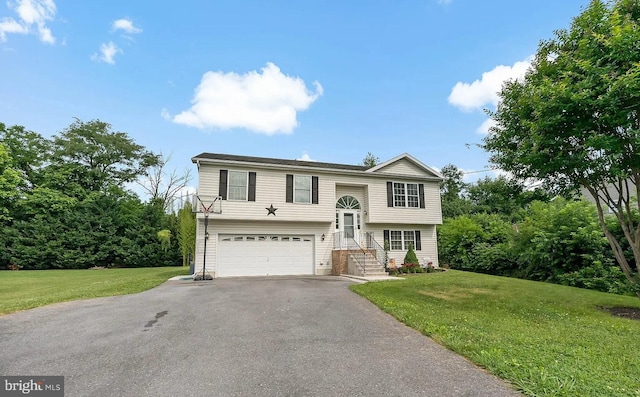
x,y
625,187
291,217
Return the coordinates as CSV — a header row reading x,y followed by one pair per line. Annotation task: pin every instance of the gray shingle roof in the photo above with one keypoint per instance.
x,y
267,160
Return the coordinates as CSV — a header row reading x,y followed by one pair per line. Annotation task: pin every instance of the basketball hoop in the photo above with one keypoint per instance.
x,y
206,205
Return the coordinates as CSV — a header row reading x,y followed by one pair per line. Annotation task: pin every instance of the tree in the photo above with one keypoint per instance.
x,y
452,190
10,181
164,186
370,160
504,196
186,233
105,157
28,151
574,120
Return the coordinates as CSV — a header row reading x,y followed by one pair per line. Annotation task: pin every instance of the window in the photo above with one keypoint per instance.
x,y
348,203
396,240
238,185
398,195
302,189
400,240
409,239
406,195
413,199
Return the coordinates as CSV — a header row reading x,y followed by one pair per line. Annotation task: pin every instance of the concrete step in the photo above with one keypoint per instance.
x,y
375,274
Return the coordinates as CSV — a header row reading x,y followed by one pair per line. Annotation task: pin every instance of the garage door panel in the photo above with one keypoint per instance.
x,y
264,255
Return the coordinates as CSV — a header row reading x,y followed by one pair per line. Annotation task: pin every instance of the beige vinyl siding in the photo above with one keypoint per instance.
x,y
404,167
428,241
217,225
270,189
370,191
379,212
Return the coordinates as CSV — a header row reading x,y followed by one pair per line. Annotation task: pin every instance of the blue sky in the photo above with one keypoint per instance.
x,y
321,80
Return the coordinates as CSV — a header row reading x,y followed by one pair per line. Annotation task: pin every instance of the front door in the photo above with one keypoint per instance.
x,y
349,228
349,225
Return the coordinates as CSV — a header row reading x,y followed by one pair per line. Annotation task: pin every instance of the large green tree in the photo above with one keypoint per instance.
x,y
452,191
28,151
574,120
504,196
102,156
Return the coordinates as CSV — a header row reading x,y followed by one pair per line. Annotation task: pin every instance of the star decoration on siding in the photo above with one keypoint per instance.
x,y
271,210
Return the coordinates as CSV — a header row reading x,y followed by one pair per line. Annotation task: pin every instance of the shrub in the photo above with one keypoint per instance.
x,y
560,237
478,243
599,276
410,257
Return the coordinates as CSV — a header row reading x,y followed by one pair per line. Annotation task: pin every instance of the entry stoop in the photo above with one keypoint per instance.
x,y
370,268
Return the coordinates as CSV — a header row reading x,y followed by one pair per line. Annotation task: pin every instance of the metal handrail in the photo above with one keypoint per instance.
x,y
381,254
341,241
359,263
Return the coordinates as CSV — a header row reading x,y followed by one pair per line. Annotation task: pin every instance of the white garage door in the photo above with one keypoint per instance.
x,y
264,255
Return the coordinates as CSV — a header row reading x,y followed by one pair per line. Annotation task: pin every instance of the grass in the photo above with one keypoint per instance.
x,y
26,289
545,339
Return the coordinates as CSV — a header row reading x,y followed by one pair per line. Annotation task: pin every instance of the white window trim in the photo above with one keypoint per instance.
x,y
310,189
402,232
406,194
246,186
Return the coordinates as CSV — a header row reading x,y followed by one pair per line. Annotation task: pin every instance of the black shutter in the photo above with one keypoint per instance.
x,y
389,194
314,190
385,237
289,188
418,242
421,193
222,190
252,187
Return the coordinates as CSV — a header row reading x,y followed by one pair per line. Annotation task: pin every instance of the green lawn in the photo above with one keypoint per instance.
x,y
26,289
545,339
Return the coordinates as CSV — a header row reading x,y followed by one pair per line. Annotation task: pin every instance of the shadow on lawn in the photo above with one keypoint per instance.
x,y
632,313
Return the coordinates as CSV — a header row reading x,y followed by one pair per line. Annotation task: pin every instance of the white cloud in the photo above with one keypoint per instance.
x,y
305,157
9,25
483,92
265,101
484,127
33,16
125,25
107,54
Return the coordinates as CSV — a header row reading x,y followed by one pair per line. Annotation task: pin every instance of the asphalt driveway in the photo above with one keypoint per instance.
x,y
297,336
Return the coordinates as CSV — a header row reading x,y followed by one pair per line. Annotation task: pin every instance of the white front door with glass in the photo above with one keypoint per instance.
x,y
348,221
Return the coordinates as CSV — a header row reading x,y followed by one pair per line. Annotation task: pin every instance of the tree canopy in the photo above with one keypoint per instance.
x,y
370,160
574,120
63,202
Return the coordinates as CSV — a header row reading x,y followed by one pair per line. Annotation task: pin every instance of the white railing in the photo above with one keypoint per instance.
x,y
342,241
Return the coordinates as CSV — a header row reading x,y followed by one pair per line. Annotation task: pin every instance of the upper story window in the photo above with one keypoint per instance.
x,y
238,184
405,195
402,194
302,189
348,203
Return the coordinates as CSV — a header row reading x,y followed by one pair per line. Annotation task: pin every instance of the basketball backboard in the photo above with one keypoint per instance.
x,y
206,204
